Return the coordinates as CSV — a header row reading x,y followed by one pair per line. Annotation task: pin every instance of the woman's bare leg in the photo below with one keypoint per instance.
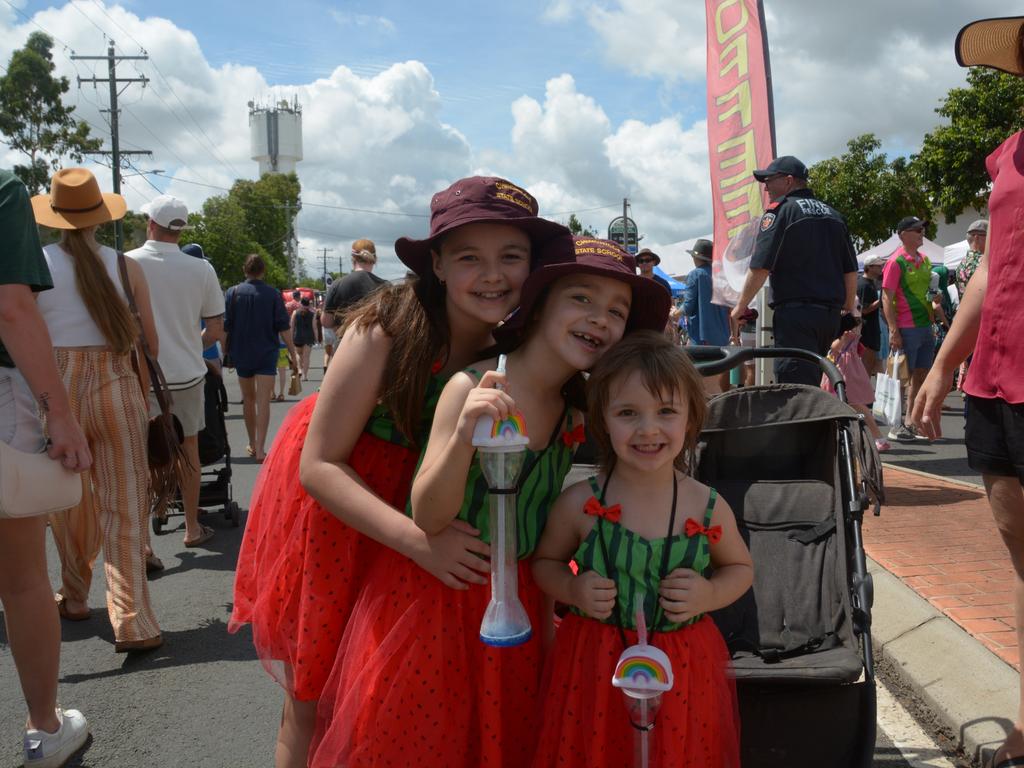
x,y
1006,498
33,628
298,719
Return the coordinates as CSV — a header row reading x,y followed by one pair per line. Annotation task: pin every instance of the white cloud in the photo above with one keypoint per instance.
x,y
375,138
363,21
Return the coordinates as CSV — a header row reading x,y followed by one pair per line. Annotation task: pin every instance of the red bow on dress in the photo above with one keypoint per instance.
x,y
436,367
593,507
574,436
693,528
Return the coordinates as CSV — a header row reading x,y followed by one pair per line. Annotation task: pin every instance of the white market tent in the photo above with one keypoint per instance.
x,y
934,251
675,259
955,254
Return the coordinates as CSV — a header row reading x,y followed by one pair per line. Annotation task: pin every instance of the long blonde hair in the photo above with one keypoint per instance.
x,y
105,305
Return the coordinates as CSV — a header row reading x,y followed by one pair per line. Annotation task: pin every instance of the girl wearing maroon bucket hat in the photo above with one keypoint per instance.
x,y
414,679
329,497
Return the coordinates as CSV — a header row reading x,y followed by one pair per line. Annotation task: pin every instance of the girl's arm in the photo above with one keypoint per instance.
x,y
440,484
685,593
958,344
346,400
588,591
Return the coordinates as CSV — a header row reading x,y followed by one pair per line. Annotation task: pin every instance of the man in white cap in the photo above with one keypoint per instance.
x,y
183,291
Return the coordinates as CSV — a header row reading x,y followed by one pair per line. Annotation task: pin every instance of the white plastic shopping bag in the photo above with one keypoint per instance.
x,y
888,395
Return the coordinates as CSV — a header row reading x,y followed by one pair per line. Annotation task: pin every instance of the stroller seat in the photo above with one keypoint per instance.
x,y
793,625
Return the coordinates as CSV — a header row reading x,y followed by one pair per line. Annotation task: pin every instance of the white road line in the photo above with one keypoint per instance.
x,y
917,748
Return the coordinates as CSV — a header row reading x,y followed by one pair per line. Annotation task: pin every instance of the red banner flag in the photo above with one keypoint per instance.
x,y
740,136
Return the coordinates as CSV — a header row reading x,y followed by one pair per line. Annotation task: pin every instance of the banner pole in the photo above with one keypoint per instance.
x,y
768,76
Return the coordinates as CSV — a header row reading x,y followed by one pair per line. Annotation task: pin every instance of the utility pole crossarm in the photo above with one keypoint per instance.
x,y
115,150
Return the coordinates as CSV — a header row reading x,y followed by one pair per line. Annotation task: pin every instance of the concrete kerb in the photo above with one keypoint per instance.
x,y
972,691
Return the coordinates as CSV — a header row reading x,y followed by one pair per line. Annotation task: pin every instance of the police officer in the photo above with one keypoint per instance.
x,y
805,246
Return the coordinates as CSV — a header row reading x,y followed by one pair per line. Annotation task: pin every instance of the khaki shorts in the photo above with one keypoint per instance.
x,y
20,426
188,406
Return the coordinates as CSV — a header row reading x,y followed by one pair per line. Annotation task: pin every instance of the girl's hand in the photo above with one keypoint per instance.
x,y
484,400
593,594
685,594
456,556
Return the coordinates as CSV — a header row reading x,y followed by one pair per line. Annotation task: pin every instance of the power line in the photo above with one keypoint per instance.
x,y
30,20
87,18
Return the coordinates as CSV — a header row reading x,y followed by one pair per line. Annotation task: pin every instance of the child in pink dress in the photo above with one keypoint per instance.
x,y
845,352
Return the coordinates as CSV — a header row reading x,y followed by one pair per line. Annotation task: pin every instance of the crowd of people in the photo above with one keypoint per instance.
x,y
363,566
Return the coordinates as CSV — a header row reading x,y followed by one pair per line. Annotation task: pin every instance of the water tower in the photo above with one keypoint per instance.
x,y
275,135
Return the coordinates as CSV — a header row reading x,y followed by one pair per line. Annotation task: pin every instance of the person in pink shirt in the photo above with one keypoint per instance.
x,y
989,322
908,311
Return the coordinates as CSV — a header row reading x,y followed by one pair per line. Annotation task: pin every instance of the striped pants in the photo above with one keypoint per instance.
x,y
107,401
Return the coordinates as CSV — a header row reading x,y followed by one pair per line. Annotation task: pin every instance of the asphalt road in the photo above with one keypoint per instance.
x,y
204,701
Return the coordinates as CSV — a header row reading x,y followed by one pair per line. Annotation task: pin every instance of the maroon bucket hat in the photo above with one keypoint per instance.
x,y
651,302
480,199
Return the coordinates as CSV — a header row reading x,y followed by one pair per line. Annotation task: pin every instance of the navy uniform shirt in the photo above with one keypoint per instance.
x,y
806,246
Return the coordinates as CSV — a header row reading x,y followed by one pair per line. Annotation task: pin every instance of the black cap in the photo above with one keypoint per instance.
x,y
702,249
787,165
909,222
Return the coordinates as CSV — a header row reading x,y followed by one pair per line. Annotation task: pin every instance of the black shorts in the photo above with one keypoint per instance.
x,y
994,435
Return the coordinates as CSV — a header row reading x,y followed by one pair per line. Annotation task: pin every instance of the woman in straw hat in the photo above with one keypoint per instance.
x,y
987,321
93,334
29,383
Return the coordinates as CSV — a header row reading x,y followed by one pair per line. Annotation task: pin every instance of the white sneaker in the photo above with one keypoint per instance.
x,y
52,750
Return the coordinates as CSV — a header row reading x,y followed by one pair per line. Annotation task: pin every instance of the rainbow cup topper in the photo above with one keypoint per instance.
x,y
505,435
643,672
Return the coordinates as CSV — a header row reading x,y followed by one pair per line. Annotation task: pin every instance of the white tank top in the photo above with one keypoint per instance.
x,y
62,307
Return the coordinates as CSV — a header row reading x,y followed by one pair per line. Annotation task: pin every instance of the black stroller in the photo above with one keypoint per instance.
x,y
215,486
797,467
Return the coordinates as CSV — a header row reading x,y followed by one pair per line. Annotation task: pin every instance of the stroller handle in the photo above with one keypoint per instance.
x,y
711,361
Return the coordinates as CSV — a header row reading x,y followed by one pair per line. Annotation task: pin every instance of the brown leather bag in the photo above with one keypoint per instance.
x,y
167,459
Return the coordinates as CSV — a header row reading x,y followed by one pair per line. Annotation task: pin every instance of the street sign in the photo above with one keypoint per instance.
x,y
615,234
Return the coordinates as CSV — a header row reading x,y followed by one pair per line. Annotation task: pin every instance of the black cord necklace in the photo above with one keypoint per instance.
x,y
663,571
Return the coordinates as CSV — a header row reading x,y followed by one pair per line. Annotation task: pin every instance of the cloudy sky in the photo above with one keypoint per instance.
x,y
582,102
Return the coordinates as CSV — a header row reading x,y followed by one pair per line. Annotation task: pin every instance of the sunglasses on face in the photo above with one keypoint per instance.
x,y
645,261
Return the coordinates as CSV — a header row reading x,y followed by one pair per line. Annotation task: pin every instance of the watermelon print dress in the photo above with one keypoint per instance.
x,y
300,568
585,720
414,684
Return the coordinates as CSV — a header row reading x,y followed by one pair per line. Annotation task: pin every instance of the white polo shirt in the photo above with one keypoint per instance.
x,y
182,290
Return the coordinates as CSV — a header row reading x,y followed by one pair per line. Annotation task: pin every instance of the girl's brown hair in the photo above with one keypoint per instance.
x,y
414,316
105,305
664,369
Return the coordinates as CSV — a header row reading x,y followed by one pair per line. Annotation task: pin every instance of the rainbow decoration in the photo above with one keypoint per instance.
x,y
643,671
510,427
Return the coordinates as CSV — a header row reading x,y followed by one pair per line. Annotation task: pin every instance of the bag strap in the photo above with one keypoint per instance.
x,y
156,374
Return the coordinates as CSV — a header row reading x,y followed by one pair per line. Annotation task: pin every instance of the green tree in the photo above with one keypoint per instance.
x,y
270,204
870,192
952,159
577,228
33,117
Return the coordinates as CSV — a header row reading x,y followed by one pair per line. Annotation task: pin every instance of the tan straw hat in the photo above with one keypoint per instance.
x,y
991,43
75,202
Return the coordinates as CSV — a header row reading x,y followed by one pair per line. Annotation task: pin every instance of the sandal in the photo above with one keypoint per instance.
x,y
279,399
206,533
249,451
154,563
62,609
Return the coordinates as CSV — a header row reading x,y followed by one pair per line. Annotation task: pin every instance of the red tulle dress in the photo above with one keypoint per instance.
x,y
585,721
300,568
414,684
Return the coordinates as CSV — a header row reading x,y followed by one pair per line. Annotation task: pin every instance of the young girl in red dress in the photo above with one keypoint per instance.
x,y
333,487
641,528
415,684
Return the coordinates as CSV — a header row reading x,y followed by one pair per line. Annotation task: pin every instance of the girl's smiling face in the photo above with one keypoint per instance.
x,y
646,430
483,267
583,316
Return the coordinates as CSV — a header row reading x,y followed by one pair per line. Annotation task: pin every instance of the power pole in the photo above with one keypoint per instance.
x,y
115,151
325,250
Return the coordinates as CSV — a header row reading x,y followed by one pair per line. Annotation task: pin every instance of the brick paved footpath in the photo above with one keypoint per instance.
x,y
938,537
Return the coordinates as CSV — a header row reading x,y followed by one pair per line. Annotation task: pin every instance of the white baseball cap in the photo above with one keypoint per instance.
x,y
167,211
